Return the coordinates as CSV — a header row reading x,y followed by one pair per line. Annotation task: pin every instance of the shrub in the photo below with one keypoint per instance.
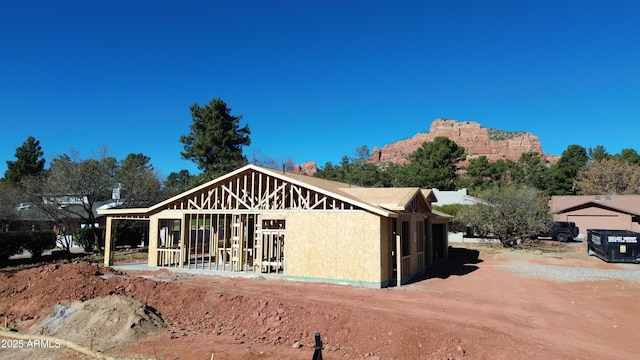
x,y
131,235
37,242
456,224
84,237
11,243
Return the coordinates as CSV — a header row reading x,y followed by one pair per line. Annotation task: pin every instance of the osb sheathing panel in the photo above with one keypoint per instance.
x,y
333,245
386,241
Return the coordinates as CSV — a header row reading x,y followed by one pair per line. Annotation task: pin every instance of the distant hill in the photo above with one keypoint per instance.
x,y
477,140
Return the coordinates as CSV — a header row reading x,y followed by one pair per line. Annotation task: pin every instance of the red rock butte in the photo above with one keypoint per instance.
x,y
477,140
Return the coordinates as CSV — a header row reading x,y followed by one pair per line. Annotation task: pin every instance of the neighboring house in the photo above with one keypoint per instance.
x,y
615,212
455,197
267,221
463,198
31,217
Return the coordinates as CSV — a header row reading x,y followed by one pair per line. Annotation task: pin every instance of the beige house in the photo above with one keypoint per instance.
x,y
261,220
613,212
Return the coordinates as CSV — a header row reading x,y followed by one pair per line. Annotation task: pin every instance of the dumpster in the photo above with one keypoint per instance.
x,y
614,245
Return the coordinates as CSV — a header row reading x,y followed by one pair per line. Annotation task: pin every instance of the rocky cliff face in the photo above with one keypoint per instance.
x,y
477,140
308,168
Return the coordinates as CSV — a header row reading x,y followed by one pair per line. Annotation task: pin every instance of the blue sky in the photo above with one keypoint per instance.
x,y
315,80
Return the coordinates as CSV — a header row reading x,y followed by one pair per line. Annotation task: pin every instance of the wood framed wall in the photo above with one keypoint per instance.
x,y
223,228
324,234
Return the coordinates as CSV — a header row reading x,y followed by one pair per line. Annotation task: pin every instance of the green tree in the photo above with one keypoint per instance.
x,y
432,165
357,171
598,153
216,139
362,155
609,176
530,170
176,183
502,169
29,161
630,156
361,172
140,180
481,174
455,225
510,214
562,175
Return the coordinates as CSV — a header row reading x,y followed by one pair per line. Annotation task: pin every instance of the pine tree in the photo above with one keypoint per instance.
x,y
29,161
433,165
216,139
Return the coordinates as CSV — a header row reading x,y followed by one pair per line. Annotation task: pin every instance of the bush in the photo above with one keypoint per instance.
x,y
37,242
11,243
456,224
131,235
84,237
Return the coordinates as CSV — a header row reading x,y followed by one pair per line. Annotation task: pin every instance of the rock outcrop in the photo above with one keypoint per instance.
x,y
477,140
308,168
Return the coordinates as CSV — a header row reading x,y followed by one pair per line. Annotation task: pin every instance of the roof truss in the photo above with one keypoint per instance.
x,y
252,190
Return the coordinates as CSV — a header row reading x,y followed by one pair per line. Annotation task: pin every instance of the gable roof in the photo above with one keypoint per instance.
x,y
430,195
394,199
456,197
382,201
629,204
440,214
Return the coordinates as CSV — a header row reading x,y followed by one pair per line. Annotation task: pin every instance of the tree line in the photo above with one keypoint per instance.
x,y
215,144
515,194
435,164
72,187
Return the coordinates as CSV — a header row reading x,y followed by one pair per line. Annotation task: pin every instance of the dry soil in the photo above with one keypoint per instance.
x,y
470,308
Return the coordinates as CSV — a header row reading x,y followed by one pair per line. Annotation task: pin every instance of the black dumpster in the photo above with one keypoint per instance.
x,y
614,245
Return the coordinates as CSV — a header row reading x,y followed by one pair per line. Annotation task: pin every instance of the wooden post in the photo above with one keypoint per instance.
x,y
398,260
108,261
184,247
154,234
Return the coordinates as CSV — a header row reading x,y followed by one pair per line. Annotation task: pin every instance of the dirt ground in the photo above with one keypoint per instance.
x,y
470,308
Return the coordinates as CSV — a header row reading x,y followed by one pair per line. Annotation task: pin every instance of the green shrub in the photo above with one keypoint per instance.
x,y
11,243
131,235
455,224
500,135
84,237
37,242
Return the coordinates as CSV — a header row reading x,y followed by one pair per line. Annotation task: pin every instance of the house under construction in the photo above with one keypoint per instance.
x,y
261,220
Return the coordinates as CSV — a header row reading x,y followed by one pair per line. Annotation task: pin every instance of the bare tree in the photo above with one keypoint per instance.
x,y
74,186
9,202
37,199
257,158
609,176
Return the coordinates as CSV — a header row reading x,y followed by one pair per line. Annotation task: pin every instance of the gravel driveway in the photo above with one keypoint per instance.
x,y
629,272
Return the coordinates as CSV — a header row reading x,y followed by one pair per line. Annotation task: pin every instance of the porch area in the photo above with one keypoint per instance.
x,y
222,242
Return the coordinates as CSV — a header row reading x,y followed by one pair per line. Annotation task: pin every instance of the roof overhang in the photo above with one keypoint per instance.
x,y
595,204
